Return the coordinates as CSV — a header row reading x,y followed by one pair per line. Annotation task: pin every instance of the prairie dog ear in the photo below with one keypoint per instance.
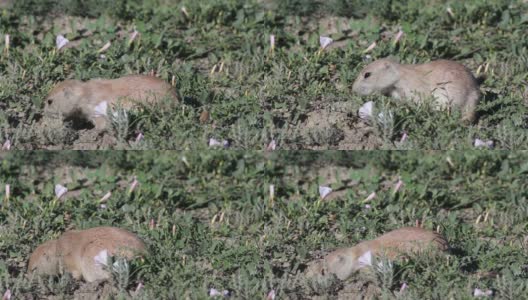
x,y
388,64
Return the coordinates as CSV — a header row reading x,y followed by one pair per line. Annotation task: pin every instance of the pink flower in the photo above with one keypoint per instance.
x,y
398,37
7,295
397,186
139,137
404,286
271,295
271,146
139,287
6,145
133,185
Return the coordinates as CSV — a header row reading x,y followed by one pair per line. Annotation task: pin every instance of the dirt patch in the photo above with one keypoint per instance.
x,y
338,128
95,290
5,3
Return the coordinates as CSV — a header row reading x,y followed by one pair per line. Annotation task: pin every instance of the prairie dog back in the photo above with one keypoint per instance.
x,y
75,251
404,241
89,100
448,82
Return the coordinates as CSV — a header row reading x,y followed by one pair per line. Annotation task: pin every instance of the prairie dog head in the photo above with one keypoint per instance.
x,y
62,98
379,76
341,262
44,259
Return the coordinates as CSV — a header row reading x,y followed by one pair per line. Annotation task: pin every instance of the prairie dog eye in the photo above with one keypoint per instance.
x,y
367,75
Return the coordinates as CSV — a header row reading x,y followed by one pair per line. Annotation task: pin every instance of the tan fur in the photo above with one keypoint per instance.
x,y
404,241
74,251
79,99
450,83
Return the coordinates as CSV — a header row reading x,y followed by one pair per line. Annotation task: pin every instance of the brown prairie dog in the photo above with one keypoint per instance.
x,y
89,100
404,241
450,83
75,251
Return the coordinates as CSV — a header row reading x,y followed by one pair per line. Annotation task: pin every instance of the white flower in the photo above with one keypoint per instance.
x,y
101,258
272,42
325,41
214,142
365,111
367,58
61,41
324,191
480,144
272,191
367,206
365,260
7,191
214,292
7,41
481,293
60,191
100,110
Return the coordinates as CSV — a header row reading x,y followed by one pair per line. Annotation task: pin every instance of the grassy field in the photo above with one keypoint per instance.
x,y
209,222
218,55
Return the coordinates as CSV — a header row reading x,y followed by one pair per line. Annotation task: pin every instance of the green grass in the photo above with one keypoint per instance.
x,y
256,244
296,95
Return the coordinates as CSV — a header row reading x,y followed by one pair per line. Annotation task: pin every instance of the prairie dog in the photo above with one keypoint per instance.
x,y
450,83
75,251
89,100
404,241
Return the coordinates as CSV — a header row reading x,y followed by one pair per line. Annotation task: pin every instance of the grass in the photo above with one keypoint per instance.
x,y
209,222
219,55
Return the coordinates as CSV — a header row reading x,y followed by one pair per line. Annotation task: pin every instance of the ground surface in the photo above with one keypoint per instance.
x,y
209,222
218,55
